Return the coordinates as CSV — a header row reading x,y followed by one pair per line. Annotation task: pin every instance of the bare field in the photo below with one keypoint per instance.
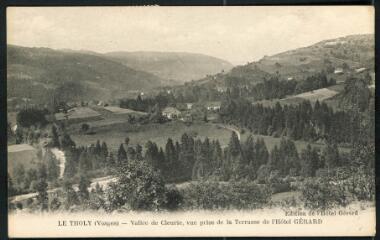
x,y
319,94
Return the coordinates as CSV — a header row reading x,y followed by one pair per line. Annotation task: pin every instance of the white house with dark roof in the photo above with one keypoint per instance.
x,y
171,112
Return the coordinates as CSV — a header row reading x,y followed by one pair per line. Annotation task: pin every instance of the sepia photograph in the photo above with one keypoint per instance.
x,y
191,121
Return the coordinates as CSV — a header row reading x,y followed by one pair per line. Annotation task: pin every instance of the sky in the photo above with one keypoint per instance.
x,y
236,34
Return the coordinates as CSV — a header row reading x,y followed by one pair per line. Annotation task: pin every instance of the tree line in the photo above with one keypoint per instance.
x,y
271,88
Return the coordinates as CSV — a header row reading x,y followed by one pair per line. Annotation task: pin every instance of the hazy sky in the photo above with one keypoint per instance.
x,y
236,34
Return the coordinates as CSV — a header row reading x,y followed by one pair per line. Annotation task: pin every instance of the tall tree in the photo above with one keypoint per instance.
x,y
42,185
331,155
71,197
170,159
85,163
151,154
84,184
19,173
67,142
309,161
186,155
54,137
121,155
52,166
70,164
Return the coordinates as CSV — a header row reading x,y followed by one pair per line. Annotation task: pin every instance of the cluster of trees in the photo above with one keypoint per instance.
x,y
26,180
141,177
313,82
271,88
31,117
357,95
87,159
195,159
147,104
302,121
350,178
274,87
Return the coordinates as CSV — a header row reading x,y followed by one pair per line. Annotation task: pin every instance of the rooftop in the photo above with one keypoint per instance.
x,y
20,148
77,112
118,110
170,109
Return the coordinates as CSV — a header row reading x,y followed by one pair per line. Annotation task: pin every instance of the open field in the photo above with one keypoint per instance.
x,y
323,94
115,134
21,154
319,94
139,134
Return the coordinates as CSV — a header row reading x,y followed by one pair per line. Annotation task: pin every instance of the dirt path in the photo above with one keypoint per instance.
x,y
60,156
102,181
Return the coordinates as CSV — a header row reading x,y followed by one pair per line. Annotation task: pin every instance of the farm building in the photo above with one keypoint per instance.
x,y
213,106
221,89
122,111
187,118
189,105
360,70
78,114
24,154
171,112
338,71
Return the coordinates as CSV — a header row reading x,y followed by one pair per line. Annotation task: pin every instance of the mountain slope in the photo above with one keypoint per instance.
x,y
346,53
178,66
36,70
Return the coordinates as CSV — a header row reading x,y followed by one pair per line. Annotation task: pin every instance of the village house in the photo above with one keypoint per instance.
x,y
189,105
171,112
187,118
338,71
221,89
360,70
213,106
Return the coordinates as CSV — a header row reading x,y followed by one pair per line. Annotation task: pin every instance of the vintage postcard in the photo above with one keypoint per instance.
x,y
191,121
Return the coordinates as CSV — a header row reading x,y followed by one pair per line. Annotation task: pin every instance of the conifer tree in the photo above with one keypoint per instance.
x,y
42,185
309,161
71,197
70,164
110,160
331,155
54,137
84,184
121,155
52,166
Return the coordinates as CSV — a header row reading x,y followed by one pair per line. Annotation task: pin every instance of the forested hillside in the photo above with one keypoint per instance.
x,y
35,72
177,66
344,55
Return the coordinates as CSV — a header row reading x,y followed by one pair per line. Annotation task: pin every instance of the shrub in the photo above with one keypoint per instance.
x,y
280,187
29,117
361,185
85,127
216,195
323,194
96,201
139,187
55,204
173,198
